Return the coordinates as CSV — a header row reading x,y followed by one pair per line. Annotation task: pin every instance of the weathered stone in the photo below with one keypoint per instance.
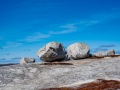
x,y
53,51
107,57
39,77
104,53
25,60
78,50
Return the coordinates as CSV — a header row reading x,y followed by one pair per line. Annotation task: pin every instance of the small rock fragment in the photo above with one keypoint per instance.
x,y
26,60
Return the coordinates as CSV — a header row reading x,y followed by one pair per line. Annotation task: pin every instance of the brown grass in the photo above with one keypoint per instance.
x,y
99,85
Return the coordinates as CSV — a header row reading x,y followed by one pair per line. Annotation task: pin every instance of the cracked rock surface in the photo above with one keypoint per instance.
x,y
39,76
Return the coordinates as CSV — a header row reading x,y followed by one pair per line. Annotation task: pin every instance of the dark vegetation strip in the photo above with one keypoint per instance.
x,y
56,63
8,64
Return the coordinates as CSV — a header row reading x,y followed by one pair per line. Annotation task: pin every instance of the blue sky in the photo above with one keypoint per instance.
x,y
27,25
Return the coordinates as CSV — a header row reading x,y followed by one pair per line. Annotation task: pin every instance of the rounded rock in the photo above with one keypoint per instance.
x,y
53,51
26,60
104,53
78,50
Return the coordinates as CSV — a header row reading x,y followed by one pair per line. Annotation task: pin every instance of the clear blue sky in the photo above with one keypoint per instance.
x,y
27,25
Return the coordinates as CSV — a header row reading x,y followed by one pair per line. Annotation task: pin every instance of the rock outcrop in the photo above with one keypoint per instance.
x,y
104,53
78,50
39,77
26,60
53,51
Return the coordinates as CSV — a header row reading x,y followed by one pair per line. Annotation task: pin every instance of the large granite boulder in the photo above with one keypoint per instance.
x,y
53,51
26,60
104,53
78,50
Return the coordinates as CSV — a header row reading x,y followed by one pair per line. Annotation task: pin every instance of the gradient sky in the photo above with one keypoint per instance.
x,y
27,25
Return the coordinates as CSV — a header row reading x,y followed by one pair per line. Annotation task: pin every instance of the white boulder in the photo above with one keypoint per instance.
x,y
78,50
53,51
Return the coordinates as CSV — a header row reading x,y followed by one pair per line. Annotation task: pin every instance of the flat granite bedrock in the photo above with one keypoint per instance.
x,y
37,76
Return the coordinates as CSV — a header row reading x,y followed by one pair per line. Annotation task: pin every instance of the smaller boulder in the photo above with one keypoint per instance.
x,y
104,54
26,60
78,51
